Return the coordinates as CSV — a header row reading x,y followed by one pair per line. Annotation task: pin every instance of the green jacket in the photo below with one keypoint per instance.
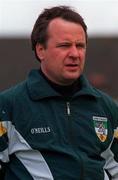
x,y
45,136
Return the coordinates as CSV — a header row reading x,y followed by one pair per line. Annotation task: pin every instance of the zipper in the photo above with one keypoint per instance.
x,y
69,117
68,108
68,111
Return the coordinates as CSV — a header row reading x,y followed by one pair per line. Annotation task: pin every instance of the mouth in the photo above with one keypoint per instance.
x,y
72,65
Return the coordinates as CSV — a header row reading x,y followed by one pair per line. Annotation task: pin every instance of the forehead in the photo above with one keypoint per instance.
x,y
60,28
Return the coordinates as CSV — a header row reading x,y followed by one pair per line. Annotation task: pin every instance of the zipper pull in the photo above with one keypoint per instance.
x,y
68,108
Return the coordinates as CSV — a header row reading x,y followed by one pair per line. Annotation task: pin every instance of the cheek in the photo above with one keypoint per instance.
x,y
82,53
57,60
82,57
52,56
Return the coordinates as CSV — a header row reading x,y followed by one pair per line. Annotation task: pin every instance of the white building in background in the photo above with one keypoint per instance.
x,y
18,16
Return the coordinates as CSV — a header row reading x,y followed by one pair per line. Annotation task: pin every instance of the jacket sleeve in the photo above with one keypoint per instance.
x,y
2,171
111,154
4,155
3,149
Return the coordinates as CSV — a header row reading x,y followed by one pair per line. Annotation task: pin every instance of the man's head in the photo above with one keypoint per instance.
x,y
59,40
40,30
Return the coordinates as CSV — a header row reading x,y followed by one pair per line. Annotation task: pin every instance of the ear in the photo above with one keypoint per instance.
x,y
40,51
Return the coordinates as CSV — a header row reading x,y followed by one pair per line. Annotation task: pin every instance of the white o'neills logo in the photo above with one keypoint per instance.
x,y
40,130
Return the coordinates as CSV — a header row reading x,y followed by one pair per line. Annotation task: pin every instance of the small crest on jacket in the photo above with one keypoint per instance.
x,y
116,133
100,124
3,130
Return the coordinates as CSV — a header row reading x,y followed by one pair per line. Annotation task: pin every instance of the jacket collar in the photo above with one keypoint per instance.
x,y
39,88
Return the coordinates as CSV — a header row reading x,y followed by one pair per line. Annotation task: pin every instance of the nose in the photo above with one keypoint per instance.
x,y
74,52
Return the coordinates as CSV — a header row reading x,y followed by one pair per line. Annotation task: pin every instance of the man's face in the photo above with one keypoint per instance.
x,y
62,61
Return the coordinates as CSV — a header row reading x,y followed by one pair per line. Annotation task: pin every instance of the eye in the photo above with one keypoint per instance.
x,y
64,45
81,45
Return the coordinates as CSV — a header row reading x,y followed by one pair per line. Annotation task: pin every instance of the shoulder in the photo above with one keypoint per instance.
x,y
108,104
107,99
9,95
9,101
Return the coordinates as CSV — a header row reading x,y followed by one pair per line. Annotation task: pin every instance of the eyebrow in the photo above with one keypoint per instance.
x,y
69,43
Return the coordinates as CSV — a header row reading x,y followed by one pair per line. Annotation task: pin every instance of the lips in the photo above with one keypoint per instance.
x,y
72,65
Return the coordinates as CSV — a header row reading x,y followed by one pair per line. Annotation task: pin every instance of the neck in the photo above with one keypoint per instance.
x,y
65,90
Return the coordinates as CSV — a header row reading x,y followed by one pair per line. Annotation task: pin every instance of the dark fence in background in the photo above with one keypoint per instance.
x,y
17,59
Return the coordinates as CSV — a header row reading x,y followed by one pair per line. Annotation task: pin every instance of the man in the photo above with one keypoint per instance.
x,y
50,123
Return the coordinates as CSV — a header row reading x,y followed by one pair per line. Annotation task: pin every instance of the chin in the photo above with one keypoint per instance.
x,y
73,76
70,80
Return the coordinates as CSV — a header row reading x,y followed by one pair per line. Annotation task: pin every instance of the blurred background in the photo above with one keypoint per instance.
x,y
17,18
